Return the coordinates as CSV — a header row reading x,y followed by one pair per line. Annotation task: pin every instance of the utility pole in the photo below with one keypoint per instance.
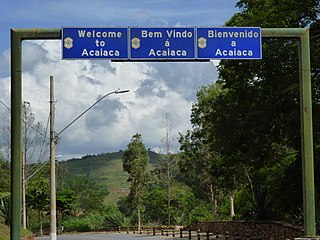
x,y
53,220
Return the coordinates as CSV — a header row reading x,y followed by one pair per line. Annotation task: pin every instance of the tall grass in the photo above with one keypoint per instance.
x,y
4,232
94,222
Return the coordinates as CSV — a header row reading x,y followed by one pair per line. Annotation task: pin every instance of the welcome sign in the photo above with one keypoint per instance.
x,y
161,44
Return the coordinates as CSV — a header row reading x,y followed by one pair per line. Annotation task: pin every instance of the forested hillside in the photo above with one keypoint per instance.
x,y
106,168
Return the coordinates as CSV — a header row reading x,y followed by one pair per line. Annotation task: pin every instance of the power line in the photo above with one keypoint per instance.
x,y
5,105
29,125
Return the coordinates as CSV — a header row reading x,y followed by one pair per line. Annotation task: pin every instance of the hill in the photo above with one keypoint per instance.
x,y
105,168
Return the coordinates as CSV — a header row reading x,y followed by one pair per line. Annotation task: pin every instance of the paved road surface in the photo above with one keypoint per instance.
x,y
106,236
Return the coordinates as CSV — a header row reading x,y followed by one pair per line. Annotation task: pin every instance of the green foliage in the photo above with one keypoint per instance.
x,y
78,224
65,203
182,206
246,127
26,233
201,212
270,13
203,165
185,207
106,168
38,194
38,197
156,206
5,232
125,206
113,218
5,213
135,160
90,193
4,175
267,109
109,218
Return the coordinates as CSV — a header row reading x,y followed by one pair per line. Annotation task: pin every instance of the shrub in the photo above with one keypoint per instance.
x,y
5,208
78,224
113,219
107,220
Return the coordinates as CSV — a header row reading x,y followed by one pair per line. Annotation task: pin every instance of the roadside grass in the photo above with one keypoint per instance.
x,y
4,232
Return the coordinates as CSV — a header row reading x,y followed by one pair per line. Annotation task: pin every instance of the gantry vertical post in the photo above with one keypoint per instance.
x,y
307,138
306,121
17,35
16,135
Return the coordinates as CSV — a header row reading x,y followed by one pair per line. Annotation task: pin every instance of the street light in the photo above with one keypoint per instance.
x,y
53,137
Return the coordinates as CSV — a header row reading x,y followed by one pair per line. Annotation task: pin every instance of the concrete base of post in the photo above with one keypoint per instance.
x,y
53,236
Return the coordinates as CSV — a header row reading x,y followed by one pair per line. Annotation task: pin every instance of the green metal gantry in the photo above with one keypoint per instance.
x,y
18,35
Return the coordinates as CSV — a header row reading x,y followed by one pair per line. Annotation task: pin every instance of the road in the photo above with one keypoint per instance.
x,y
106,236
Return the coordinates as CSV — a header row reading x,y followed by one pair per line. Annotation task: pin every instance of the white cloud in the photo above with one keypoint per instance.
x,y
155,88
4,63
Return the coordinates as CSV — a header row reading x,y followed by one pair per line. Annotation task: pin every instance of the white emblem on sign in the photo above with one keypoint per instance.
x,y
68,42
135,43
202,42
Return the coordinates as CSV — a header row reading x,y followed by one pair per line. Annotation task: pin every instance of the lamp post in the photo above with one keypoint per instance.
x,y
53,138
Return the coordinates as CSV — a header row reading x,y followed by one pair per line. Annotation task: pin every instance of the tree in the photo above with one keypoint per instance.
x,y
90,193
66,203
196,168
34,139
156,205
135,160
254,122
168,167
269,109
202,164
4,175
35,149
38,197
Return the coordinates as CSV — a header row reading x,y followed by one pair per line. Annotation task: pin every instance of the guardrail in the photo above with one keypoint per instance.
x,y
187,233
179,232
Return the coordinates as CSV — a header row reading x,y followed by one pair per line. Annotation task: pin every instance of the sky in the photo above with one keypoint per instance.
x,y
156,88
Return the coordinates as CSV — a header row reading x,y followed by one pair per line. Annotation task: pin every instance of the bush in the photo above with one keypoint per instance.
x,y
113,219
107,220
202,212
5,208
78,224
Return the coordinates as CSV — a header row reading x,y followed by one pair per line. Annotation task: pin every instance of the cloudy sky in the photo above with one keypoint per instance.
x,y
155,88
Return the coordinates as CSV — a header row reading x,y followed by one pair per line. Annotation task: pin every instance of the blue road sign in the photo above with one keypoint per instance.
x,y
162,43
229,43
94,43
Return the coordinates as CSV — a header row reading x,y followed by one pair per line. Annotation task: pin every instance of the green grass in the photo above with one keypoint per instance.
x,y
107,169
4,232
